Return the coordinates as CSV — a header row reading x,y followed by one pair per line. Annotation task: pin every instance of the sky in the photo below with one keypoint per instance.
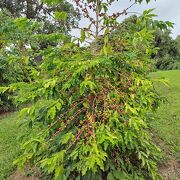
x,y
167,10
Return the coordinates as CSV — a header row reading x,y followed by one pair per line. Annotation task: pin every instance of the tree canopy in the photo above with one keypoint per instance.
x,y
59,16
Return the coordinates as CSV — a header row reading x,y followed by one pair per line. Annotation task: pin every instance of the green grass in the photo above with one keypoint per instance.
x,y
167,124
9,144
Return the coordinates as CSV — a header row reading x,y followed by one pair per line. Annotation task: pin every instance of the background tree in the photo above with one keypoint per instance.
x,y
21,42
14,64
178,42
167,55
166,44
51,14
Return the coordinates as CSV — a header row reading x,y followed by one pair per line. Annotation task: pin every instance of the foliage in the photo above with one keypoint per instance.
x,y
168,63
21,41
167,55
44,11
91,106
165,130
167,45
178,42
94,118
13,61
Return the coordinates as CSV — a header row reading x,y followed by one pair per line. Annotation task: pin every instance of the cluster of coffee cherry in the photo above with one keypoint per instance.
x,y
92,6
85,8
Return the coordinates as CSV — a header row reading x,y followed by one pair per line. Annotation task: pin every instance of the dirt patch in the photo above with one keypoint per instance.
x,y
28,173
19,175
170,170
4,114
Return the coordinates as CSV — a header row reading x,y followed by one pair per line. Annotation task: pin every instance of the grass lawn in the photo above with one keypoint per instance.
x,y
167,124
9,145
165,127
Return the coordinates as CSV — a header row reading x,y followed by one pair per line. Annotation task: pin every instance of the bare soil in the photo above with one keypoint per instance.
x,y
3,114
28,173
170,167
170,170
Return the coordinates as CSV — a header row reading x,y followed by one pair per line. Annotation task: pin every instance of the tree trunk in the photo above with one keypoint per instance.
x,y
29,9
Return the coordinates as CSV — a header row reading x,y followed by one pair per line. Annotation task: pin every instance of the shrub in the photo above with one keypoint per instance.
x,y
16,63
168,63
94,112
92,108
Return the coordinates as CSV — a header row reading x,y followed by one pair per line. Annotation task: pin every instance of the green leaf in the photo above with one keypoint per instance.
x,y
86,104
110,176
85,84
169,24
107,49
106,39
65,138
106,31
52,2
60,15
52,112
83,35
119,174
59,173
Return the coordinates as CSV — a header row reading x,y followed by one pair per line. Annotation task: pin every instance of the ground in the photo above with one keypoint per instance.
x,y
10,141
165,130
166,125
167,122
9,144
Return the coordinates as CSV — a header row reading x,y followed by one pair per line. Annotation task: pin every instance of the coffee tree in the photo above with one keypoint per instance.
x,y
91,107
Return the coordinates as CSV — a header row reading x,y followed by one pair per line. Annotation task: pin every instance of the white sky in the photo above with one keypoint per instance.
x,y
167,10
